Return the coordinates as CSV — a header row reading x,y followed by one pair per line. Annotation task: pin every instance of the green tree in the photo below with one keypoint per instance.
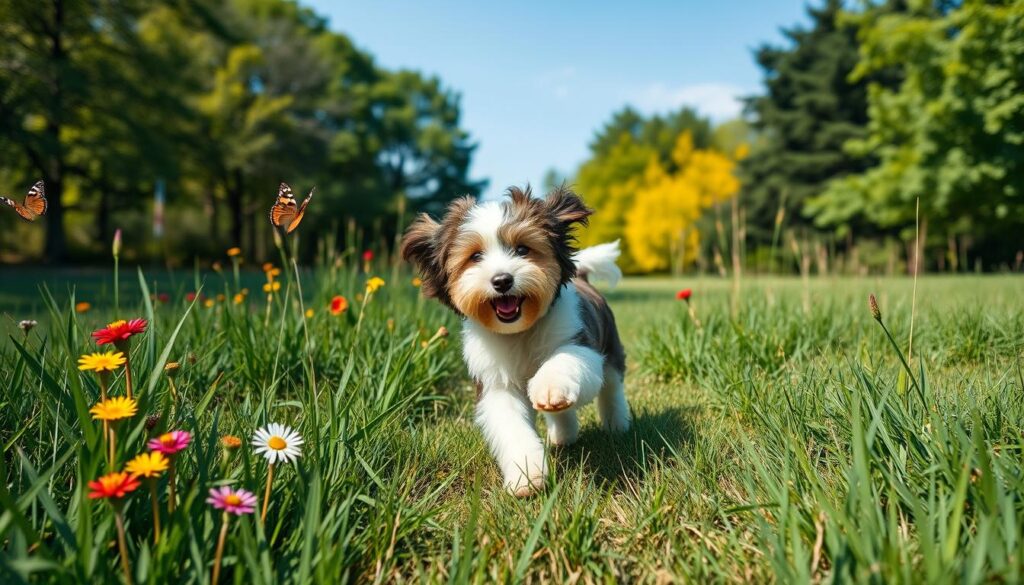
x,y
951,133
809,110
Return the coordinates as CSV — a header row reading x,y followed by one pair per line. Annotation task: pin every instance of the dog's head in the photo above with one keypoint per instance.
x,y
501,264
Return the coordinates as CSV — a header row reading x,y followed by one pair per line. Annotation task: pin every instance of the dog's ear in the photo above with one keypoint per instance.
x,y
419,247
566,209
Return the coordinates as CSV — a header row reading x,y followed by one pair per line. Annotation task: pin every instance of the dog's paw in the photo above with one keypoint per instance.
x,y
551,395
524,485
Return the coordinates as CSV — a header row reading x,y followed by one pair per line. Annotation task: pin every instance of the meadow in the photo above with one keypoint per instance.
x,y
787,437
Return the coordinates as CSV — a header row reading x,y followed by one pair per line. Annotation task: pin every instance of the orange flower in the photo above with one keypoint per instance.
x,y
234,252
113,485
339,305
82,307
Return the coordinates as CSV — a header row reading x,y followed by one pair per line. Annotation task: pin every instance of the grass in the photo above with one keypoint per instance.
x,y
783,442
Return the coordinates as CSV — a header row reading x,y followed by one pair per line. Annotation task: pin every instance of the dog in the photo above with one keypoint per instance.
x,y
537,336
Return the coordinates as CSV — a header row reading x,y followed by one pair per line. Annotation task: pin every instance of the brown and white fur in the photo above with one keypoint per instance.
x,y
537,335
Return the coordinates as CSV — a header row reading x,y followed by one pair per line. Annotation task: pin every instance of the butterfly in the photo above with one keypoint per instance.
x,y
34,205
285,212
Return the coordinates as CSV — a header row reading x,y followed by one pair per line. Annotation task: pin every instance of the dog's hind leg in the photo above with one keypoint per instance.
x,y
611,402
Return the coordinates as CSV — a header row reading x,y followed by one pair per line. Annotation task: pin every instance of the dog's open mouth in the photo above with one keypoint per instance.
x,y
507,308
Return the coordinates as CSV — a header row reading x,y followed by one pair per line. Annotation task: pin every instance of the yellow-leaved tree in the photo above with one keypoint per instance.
x,y
660,225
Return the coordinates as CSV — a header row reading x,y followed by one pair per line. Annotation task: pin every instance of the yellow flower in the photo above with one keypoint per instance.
x,y
82,307
114,409
309,313
239,298
271,287
273,272
208,303
171,368
417,281
101,362
234,252
373,284
149,464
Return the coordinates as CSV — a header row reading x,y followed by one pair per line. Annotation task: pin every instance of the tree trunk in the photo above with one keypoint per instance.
x,y
56,244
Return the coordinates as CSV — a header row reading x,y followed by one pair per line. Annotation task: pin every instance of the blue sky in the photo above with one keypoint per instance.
x,y
538,78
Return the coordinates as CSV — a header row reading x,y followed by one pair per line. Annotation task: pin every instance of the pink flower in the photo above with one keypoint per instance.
x,y
170,443
236,502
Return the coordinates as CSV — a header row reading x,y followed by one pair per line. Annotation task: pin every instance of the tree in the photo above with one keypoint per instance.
x,y
809,111
950,134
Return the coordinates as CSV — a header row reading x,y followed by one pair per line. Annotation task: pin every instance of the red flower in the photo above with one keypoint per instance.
x,y
368,255
190,296
339,305
119,331
164,298
113,485
684,295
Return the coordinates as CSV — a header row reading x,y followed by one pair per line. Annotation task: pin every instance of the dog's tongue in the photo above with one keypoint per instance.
x,y
507,305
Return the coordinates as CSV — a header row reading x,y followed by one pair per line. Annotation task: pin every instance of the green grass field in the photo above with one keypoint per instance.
x,y
784,440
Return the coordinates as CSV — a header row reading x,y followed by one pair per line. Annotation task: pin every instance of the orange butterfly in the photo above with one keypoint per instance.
x,y
285,213
34,205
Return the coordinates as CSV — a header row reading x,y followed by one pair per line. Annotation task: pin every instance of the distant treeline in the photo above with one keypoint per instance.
x,y
863,113
211,104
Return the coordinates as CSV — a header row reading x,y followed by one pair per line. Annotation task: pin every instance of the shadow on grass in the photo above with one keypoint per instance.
x,y
613,457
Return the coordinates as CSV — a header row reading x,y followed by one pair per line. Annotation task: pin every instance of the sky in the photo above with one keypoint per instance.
x,y
538,79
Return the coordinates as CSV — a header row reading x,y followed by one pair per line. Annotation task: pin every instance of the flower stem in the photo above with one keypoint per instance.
x,y
112,443
266,494
128,372
156,510
220,550
171,493
122,546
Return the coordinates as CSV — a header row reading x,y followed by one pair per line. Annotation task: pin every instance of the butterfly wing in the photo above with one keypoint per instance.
x,y
302,211
284,210
35,201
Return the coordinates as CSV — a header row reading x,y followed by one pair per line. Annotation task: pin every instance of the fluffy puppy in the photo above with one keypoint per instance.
x,y
537,335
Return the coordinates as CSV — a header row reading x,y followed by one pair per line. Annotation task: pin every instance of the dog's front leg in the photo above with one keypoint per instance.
x,y
572,375
506,420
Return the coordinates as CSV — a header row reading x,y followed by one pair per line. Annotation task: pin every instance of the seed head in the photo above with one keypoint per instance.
x,y
873,305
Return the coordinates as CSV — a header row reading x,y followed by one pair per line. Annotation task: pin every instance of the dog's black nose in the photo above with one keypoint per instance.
x,y
502,282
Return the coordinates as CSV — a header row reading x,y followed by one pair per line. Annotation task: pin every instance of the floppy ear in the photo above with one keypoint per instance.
x,y
419,246
566,209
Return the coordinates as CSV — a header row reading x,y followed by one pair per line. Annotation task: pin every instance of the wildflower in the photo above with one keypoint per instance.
x,y
239,298
82,307
27,325
368,256
113,487
230,442
339,305
417,281
171,369
114,409
267,267
276,442
873,305
245,292
171,443
373,284
271,287
235,502
217,266
684,295
116,247
163,298
208,303
148,465
236,251
152,421
118,332
221,298
101,362
190,297
309,313
231,501
273,273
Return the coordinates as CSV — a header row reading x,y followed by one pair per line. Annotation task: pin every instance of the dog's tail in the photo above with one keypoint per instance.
x,y
599,262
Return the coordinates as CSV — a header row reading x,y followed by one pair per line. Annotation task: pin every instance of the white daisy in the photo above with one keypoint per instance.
x,y
277,443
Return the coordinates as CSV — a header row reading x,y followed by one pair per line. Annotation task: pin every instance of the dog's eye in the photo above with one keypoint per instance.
x,y
476,257
522,250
